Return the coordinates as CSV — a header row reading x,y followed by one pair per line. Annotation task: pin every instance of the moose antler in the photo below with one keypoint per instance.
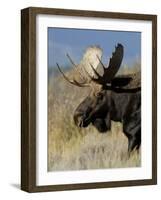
x,y
74,82
112,69
89,56
89,65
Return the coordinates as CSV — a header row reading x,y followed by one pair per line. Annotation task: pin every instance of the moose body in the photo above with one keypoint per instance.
x,y
109,98
117,106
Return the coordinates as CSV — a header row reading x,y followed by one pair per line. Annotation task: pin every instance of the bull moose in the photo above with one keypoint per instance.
x,y
111,98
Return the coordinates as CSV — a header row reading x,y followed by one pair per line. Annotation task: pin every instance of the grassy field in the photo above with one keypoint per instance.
x,y
72,148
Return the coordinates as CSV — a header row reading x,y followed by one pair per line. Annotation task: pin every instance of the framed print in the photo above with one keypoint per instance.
x,y
88,99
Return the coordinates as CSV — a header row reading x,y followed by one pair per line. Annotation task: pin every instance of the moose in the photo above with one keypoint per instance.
x,y
116,98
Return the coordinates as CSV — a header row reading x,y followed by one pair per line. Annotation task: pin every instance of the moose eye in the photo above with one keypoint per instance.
x,y
100,95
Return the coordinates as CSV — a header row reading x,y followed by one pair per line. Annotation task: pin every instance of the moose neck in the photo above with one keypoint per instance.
x,y
123,103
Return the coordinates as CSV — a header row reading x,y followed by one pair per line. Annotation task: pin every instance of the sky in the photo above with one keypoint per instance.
x,y
74,42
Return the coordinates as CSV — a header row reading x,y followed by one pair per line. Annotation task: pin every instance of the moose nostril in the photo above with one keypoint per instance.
x,y
81,120
80,123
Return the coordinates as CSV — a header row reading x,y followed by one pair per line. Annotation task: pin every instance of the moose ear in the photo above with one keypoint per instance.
x,y
120,81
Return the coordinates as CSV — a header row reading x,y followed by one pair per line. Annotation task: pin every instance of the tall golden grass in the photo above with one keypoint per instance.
x,y
73,148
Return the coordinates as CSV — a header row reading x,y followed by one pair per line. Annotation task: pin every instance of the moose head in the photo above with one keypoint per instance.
x,y
96,106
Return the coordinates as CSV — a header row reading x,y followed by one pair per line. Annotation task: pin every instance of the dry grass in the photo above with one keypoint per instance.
x,y
72,148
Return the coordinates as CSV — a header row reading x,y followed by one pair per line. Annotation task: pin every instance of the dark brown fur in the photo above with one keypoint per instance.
x,y
117,104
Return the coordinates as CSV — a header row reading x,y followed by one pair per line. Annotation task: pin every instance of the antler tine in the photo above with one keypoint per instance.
x,y
73,63
73,82
114,65
94,70
71,60
88,74
96,80
101,63
65,77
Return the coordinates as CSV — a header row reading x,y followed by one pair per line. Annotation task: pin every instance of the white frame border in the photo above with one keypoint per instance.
x,y
43,177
